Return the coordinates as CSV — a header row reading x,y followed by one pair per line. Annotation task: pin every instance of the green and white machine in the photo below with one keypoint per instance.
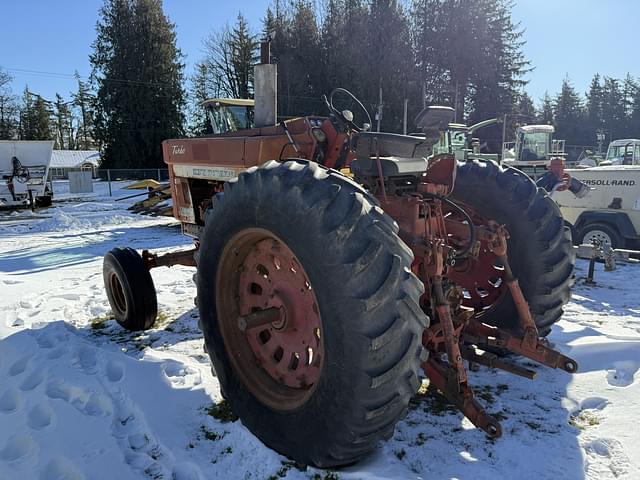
x,y
533,149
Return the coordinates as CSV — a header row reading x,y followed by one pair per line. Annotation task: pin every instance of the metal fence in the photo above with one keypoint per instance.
x,y
119,174
116,174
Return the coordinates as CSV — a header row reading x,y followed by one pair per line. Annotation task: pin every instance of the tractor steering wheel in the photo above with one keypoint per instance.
x,y
346,116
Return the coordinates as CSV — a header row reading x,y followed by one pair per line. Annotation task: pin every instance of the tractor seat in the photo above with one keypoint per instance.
x,y
400,155
374,144
391,166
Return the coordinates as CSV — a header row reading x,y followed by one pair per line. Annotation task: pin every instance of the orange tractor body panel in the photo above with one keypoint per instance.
x,y
218,158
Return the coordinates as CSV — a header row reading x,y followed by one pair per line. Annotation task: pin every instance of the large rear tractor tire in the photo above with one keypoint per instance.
x,y
540,249
309,311
130,289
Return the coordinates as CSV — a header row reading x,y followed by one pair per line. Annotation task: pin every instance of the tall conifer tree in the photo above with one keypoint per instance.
x,y
137,72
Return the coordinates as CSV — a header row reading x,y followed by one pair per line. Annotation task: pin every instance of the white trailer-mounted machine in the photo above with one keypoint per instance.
x,y
24,169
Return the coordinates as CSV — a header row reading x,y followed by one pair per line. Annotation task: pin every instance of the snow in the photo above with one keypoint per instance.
x,y
80,398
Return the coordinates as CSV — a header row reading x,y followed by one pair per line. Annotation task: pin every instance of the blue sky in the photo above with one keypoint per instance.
x,y
564,37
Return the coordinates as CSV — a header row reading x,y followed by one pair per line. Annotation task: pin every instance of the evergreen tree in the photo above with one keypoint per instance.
x,y
389,61
500,65
525,109
8,108
42,120
634,121
595,102
230,55
569,115
613,110
82,100
430,56
546,110
244,56
343,63
469,55
138,76
63,122
629,91
35,118
297,50
199,91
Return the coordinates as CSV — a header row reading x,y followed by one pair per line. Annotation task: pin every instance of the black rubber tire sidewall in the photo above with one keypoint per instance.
x,y
137,285
332,427
540,248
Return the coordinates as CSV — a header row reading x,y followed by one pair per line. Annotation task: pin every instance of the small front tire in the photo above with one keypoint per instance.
x,y
130,289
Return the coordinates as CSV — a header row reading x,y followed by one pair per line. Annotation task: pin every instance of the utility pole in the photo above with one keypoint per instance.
x,y
504,129
404,122
455,114
379,114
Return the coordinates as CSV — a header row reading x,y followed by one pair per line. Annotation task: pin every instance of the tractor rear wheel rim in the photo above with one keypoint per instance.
x,y
279,362
482,279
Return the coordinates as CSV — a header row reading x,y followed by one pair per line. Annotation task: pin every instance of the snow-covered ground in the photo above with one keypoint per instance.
x,y
82,398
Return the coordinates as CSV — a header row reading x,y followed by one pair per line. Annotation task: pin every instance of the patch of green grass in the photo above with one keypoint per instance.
x,y
487,396
210,434
327,476
501,388
162,321
500,416
286,466
583,419
100,323
222,411
432,401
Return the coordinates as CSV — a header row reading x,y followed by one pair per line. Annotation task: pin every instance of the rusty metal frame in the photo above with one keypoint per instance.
x,y
181,257
455,337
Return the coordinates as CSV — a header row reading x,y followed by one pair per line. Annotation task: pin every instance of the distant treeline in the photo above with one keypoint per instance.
x,y
466,54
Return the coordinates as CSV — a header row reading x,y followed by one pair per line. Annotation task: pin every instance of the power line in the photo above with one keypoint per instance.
x,y
68,76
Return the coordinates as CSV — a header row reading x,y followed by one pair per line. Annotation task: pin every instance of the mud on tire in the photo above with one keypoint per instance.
x,y
540,248
367,296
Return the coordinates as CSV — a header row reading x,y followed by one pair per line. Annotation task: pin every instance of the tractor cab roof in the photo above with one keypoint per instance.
x,y
537,129
624,141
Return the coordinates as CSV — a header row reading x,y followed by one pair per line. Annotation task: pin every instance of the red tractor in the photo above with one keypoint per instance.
x,y
323,295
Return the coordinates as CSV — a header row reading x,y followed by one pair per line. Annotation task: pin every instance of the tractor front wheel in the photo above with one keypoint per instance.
x,y
130,289
309,311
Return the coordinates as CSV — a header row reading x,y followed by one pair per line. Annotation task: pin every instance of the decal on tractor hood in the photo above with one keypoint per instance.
x,y
178,150
209,173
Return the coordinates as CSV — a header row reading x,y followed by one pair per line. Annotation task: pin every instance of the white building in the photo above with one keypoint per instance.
x,y
65,161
